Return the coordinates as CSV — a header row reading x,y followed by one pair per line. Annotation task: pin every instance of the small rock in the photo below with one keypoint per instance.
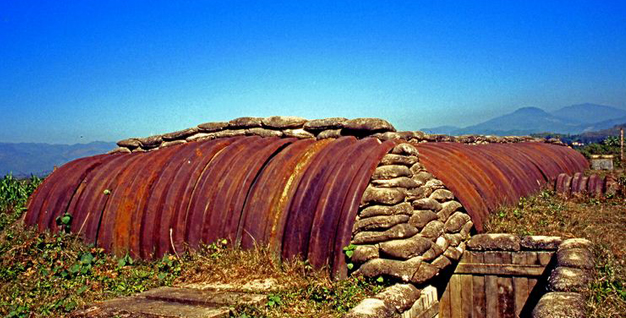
x,y
245,122
393,159
379,222
371,308
139,149
447,208
433,229
494,242
442,262
280,122
420,218
427,204
181,134
166,144
129,143
405,149
575,257
298,133
399,296
560,305
388,196
212,127
390,172
567,279
334,123
364,253
537,242
375,210
258,131
424,273
370,125
150,142
401,182
406,248
334,133
399,231
402,270
456,221
442,195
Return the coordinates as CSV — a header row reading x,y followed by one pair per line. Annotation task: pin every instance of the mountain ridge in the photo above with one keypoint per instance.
x,y
573,119
23,159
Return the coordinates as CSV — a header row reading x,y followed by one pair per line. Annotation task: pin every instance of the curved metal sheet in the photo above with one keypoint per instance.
x,y
264,214
350,206
174,214
54,198
228,207
154,208
483,177
87,207
205,191
336,189
302,208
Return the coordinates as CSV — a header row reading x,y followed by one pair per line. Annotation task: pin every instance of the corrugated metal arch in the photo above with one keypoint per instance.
x,y
483,177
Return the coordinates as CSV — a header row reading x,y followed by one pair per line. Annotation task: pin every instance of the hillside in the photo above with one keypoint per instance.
x,y
574,119
23,159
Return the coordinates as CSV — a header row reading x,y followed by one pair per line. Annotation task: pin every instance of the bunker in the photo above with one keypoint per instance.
x,y
405,202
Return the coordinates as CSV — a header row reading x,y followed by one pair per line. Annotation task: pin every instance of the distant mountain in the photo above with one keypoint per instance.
x,y
573,119
523,121
446,130
607,124
24,159
589,113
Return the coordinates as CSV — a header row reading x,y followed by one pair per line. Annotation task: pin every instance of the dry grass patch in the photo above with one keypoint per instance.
x,y
601,220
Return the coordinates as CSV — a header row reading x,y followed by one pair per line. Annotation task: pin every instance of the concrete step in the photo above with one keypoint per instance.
x,y
138,307
208,298
172,302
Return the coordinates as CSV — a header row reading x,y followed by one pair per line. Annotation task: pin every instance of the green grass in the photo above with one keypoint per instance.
x,y
601,220
13,196
45,274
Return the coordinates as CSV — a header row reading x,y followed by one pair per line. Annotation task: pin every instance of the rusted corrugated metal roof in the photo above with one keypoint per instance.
x,y
483,177
299,196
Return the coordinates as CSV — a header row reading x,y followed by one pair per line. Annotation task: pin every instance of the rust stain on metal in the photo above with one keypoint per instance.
x,y
483,177
300,197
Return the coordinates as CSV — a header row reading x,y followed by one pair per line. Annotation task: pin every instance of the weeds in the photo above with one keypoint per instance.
x,y
601,220
13,196
46,274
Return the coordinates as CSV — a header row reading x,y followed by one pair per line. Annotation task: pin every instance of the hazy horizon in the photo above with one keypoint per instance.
x,y
90,71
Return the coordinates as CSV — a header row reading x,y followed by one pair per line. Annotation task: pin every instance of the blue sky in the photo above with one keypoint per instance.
x,y
78,71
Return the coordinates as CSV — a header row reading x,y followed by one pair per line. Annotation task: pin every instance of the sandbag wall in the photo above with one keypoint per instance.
x,y
420,207
299,196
